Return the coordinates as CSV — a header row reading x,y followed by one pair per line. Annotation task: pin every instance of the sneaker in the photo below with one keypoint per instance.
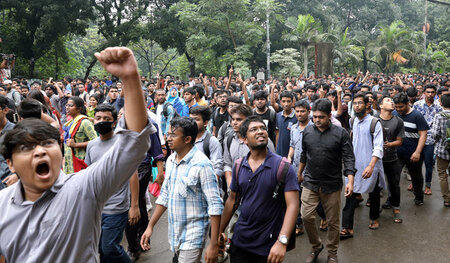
x,y
387,205
134,256
418,202
332,259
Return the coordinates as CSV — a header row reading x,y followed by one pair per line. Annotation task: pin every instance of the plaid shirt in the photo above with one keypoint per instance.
x,y
428,113
439,135
191,194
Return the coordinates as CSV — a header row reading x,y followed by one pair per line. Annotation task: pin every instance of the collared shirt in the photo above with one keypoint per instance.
x,y
237,150
191,194
439,134
428,113
296,143
284,124
4,168
262,216
215,151
155,151
63,225
323,153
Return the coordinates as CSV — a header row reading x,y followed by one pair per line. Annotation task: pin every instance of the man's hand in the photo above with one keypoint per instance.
x,y
348,189
159,179
387,145
300,178
11,179
118,61
212,252
367,173
145,239
70,143
134,215
277,253
415,157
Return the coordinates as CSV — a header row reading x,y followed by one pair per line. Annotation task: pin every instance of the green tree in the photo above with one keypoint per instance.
x,y
286,61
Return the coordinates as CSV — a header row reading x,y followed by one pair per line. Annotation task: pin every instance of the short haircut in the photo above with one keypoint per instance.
x,y
221,91
445,100
347,95
4,102
401,98
303,104
380,101
287,94
30,108
325,87
234,99
242,109
365,86
323,105
412,92
188,127
203,111
190,90
260,94
361,95
200,90
310,87
51,87
441,90
28,131
430,86
244,126
398,88
104,107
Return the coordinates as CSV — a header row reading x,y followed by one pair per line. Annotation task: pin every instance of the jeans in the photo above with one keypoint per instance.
x,y
415,170
392,170
134,232
351,203
112,233
428,158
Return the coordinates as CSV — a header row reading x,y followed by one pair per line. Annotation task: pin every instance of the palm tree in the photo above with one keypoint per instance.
x,y
394,43
345,52
305,31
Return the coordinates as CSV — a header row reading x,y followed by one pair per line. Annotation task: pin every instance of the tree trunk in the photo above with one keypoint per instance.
x,y
364,60
56,63
89,68
191,64
305,60
31,68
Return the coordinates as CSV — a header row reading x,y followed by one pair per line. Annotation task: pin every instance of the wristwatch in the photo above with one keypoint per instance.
x,y
283,240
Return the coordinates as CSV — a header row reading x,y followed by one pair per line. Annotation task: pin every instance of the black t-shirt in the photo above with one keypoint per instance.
x,y
219,119
271,123
392,129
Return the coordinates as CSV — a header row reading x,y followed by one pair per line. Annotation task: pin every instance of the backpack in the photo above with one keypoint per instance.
x,y
372,125
278,192
165,110
206,143
447,130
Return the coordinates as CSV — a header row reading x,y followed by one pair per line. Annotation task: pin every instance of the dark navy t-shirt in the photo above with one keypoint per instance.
x,y
414,122
262,216
284,125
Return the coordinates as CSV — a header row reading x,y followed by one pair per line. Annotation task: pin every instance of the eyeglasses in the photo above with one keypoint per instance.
x,y
359,103
257,129
27,148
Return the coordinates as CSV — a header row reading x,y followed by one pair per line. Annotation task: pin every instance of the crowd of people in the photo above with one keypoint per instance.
x,y
245,161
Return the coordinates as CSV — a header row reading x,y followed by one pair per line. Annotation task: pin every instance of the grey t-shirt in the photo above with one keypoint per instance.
x,y
120,201
392,129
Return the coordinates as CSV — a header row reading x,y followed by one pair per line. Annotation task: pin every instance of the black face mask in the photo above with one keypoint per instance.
x,y
103,127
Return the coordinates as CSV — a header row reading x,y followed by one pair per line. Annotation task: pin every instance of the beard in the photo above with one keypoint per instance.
x,y
361,113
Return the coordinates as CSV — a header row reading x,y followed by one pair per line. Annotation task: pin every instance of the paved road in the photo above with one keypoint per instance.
x,y
424,235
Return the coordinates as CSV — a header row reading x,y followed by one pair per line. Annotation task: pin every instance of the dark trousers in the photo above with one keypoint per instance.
x,y
428,159
392,170
319,210
134,233
238,255
351,203
415,170
111,236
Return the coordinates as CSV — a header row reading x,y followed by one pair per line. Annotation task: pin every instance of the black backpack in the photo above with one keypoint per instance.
x,y
165,110
206,143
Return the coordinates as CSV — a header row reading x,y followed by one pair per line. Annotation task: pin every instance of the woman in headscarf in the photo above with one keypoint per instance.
x,y
175,99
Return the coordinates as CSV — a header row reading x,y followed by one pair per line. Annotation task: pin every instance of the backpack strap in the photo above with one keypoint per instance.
x,y
352,120
237,167
229,141
283,168
206,143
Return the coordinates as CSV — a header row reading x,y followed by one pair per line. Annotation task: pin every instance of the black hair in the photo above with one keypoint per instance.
x,y
106,108
244,126
445,100
398,88
96,97
242,109
37,95
441,90
401,98
79,103
4,102
332,93
190,90
430,86
220,92
347,94
380,101
203,111
365,86
234,99
323,105
187,125
287,94
260,94
28,131
55,91
325,87
361,95
200,90
311,87
30,108
303,104
412,92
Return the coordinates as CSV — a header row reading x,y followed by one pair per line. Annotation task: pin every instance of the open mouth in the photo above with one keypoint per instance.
x,y
43,169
